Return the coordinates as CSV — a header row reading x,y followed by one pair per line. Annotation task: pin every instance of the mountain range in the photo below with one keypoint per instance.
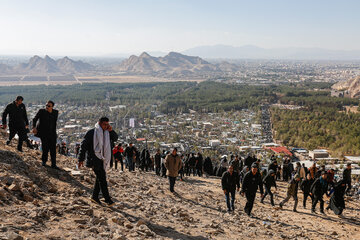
x,y
254,52
171,64
47,65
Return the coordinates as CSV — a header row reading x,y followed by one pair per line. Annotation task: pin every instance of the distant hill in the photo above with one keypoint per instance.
x,y
47,65
254,52
352,86
173,64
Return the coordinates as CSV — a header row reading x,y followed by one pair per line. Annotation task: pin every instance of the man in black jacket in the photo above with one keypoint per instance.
x,y
229,183
251,182
317,190
305,187
269,181
44,126
347,177
99,156
157,158
18,121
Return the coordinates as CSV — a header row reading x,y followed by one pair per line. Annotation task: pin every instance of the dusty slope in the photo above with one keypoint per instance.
x,y
49,204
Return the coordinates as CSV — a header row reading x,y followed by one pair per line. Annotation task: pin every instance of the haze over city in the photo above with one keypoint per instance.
x,y
93,28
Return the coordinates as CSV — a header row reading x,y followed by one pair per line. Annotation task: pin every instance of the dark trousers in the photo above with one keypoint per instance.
x,y
288,198
21,132
100,182
316,200
306,195
157,170
121,162
172,183
199,172
250,198
230,205
49,144
268,191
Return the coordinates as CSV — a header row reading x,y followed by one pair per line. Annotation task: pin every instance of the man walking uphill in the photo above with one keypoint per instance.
x,y
18,122
229,183
251,182
173,164
44,126
97,144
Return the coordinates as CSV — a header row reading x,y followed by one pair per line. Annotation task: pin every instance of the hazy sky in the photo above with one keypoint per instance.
x,y
88,27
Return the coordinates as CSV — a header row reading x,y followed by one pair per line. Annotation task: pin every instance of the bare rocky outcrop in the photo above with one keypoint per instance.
x,y
41,203
352,86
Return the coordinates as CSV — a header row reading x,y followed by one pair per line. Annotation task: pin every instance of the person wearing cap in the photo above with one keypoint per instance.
x,y
230,183
251,182
292,192
269,181
18,122
317,190
173,165
347,177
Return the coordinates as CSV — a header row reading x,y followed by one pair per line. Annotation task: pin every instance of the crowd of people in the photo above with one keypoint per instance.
x,y
240,173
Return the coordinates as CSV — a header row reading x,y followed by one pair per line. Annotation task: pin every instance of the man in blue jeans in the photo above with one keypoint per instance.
x,y
173,165
230,183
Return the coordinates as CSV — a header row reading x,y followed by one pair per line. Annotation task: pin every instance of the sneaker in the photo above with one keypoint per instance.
x,y
95,200
8,142
110,203
43,164
313,211
294,210
322,212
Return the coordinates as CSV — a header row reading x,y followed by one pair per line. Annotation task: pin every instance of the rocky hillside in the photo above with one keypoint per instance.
x,y
172,64
47,65
352,85
41,203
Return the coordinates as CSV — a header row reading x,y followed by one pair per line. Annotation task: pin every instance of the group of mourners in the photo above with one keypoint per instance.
x,y
313,182
99,152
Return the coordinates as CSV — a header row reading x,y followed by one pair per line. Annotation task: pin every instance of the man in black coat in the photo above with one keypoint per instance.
x,y
250,184
347,177
44,126
305,187
98,165
229,183
269,181
273,166
157,158
317,190
18,122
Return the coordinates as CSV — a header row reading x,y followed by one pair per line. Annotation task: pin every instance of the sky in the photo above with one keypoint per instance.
x,y
105,27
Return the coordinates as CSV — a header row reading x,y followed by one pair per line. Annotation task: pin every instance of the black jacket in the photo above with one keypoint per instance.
x,y
87,146
47,122
273,167
17,115
347,176
229,182
306,185
251,183
269,181
157,159
317,189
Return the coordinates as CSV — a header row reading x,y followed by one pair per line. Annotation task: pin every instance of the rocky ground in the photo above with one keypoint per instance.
x,y
37,202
